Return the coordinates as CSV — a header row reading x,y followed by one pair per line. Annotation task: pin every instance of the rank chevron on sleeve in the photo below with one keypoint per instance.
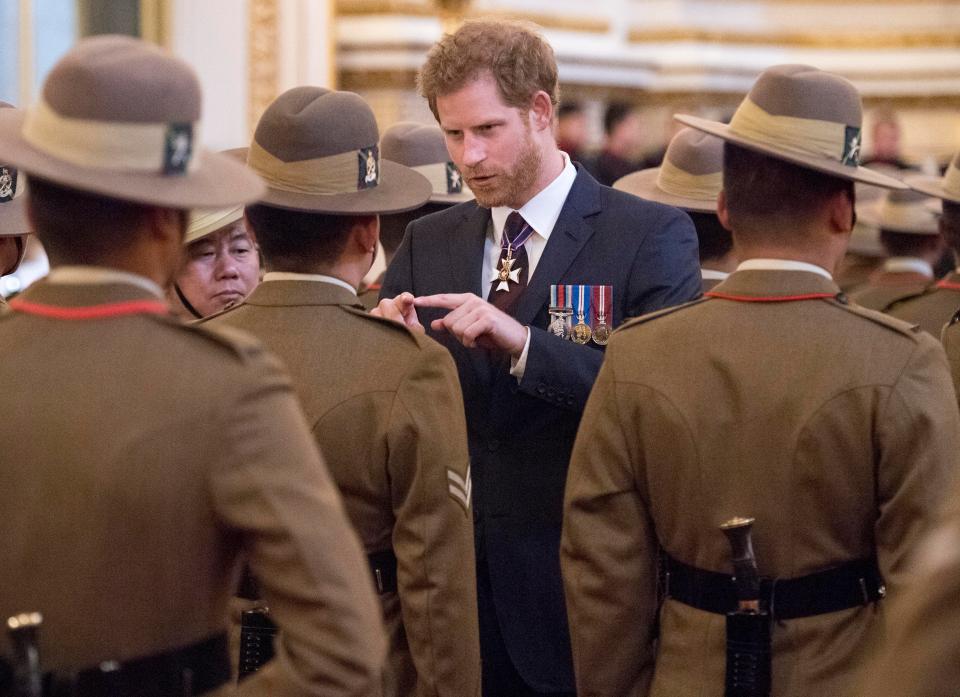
x,y
460,487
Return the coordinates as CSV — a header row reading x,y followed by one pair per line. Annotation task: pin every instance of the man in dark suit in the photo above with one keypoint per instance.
x,y
479,277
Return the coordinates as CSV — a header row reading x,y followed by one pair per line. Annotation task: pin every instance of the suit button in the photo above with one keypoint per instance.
x,y
551,392
541,389
569,401
493,445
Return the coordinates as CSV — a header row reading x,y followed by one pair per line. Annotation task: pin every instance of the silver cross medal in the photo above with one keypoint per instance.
x,y
506,273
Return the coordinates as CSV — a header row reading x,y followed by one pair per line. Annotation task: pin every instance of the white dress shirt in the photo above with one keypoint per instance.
x,y
908,265
99,275
541,213
782,265
315,277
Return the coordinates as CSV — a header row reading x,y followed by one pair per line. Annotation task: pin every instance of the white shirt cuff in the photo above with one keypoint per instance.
x,y
518,365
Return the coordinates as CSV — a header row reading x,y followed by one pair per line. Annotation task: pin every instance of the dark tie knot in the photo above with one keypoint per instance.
x,y
516,231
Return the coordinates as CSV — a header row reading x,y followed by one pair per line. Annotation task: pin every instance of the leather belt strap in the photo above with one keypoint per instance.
x,y
189,670
849,585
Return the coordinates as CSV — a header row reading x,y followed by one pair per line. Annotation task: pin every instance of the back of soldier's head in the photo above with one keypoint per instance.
x,y
298,240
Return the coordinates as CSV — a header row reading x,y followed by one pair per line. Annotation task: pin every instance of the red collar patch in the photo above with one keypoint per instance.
x,y
948,285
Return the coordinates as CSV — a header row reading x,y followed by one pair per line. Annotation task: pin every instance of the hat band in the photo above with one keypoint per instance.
x,y
344,173
913,218
444,177
830,140
951,180
161,148
700,187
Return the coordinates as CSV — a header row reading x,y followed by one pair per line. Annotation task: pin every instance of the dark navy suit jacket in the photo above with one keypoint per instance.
x,y
521,434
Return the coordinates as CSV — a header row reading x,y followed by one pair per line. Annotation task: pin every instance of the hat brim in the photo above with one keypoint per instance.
x,y
644,185
859,174
13,218
217,181
931,186
400,189
872,214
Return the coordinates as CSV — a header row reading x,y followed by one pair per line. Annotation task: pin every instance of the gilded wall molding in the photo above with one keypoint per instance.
x,y
424,8
264,57
831,40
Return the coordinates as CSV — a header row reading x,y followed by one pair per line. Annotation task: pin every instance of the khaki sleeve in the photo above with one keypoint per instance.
x,y
951,344
272,488
919,654
918,448
433,536
608,551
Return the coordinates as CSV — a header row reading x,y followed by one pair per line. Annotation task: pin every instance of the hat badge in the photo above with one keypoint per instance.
x,y
8,184
851,146
369,175
454,179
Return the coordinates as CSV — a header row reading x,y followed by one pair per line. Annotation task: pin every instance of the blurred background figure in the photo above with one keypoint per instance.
x,y
221,265
910,235
621,144
690,178
886,149
423,149
573,130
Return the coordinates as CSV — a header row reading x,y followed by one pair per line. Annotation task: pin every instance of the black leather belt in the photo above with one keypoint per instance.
x,y
190,670
851,584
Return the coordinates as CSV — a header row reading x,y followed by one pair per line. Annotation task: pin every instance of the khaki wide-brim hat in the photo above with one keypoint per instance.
x,y
945,188
804,116
120,118
906,211
13,201
423,149
203,223
318,151
690,177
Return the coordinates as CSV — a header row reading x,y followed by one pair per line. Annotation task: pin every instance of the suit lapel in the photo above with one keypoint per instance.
x,y
465,253
570,234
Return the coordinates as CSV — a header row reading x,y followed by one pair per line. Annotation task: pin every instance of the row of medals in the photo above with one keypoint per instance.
x,y
581,332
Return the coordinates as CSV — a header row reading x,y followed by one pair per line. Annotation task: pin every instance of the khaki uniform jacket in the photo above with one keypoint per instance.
x,y
141,459
951,344
918,657
886,287
933,308
834,426
385,407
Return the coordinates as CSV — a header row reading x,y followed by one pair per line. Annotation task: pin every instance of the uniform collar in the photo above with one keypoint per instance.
x,y
776,284
287,292
783,265
311,277
101,275
543,210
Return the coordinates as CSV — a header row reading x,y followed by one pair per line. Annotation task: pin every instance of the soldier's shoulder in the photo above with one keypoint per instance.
x,y
659,314
218,337
896,326
386,329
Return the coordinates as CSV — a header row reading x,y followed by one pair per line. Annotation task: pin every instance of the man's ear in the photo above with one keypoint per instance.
x,y
366,231
541,111
842,211
167,223
723,213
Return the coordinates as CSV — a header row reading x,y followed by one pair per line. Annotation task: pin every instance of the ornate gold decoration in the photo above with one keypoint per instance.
x,y
828,40
264,57
155,21
424,8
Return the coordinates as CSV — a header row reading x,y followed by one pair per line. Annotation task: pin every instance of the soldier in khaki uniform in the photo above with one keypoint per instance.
x,y
911,237
145,456
384,403
938,304
690,178
756,401
14,225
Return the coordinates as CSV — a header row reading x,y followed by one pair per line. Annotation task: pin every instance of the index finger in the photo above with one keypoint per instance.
x,y
450,301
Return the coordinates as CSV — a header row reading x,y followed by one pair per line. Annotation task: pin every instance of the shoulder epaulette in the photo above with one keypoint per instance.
x,y
238,343
911,330
909,296
656,314
382,321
